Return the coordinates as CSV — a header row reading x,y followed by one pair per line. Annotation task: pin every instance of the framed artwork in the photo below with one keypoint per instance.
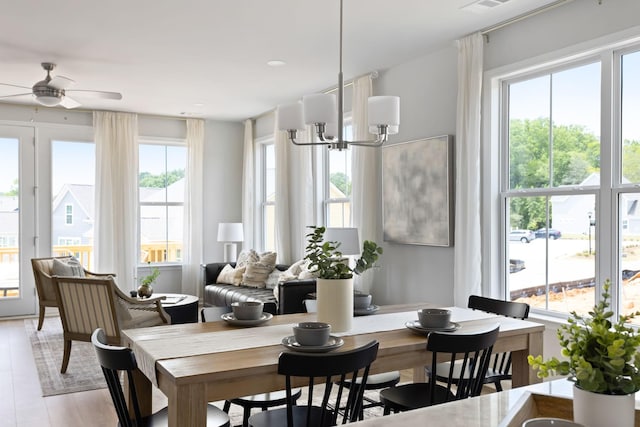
x,y
417,192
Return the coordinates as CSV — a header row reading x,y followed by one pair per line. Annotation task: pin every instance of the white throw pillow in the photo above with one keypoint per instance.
x,y
257,272
292,272
245,257
273,279
230,275
67,267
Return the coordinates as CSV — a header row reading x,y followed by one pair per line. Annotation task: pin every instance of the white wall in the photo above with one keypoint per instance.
x,y
427,87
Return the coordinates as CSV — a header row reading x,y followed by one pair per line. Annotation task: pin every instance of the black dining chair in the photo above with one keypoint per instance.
x,y
374,382
114,360
320,369
263,401
500,365
474,352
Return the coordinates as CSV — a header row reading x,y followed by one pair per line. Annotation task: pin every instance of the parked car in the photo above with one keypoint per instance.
x,y
525,236
516,265
553,233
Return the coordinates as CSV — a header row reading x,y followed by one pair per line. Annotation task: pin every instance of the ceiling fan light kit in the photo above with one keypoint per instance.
x,y
52,91
327,115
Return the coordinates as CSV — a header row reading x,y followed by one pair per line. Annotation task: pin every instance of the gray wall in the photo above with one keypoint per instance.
x,y
428,89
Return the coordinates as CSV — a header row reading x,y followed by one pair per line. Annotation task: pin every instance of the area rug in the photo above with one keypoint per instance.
x,y
83,373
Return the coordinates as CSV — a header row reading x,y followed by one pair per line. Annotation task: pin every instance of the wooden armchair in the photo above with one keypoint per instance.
x,y
87,303
42,272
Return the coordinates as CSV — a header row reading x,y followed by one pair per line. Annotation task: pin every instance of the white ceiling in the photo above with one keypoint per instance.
x,y
207,58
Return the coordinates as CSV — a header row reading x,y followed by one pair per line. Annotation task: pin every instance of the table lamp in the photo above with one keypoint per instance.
x,y
347,237
230,232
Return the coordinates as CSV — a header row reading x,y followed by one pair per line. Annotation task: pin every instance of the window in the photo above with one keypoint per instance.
x,y
68,218
72,192
559,181
161,191
267,194
338,184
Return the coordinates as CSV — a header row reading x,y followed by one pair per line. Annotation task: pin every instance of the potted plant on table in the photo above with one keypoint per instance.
x,y
602,360
145,290
334,284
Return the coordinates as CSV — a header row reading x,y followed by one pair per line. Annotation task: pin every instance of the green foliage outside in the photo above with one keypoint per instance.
x,y
13,191
342,182
148,180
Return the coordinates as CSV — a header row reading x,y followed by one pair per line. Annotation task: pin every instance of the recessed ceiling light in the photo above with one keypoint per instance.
x,y
276,63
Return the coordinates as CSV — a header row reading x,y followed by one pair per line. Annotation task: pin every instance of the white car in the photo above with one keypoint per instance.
x,y
525,236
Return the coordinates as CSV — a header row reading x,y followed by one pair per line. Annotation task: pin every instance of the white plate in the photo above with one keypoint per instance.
x,y
291,343
366,311
231,319
417,327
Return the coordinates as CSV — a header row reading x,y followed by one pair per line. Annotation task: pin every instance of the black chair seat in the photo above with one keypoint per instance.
x,y
263,401
278,417
413,396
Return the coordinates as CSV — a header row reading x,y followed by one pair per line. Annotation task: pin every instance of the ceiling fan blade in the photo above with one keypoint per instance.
x,y
69,102
97,94
21,87
18,94
61,82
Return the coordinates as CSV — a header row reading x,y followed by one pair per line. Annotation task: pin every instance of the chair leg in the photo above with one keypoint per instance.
x,y
65,357
40,317
498,386
227,406
245,416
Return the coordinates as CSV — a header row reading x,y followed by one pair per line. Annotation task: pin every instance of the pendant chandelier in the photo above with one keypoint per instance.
x,y
327,115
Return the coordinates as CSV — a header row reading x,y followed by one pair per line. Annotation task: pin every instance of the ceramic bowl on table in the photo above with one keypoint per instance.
x,y
312,333
361,301
247,310
433,318
550,422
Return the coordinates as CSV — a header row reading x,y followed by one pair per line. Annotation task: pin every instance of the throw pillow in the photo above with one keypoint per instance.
x,y
230,275
70,267
258,271
273,279
292,272
245,257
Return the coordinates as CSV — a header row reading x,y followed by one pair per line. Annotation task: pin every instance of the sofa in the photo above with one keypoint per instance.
x,y
291,294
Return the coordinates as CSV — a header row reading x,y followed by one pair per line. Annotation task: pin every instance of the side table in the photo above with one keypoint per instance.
x,y
182,308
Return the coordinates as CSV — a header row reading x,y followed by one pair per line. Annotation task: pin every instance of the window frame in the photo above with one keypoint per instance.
x,y
165,142
496,164
261,202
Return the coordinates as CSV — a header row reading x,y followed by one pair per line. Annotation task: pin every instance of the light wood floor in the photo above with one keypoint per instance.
x,y
21,401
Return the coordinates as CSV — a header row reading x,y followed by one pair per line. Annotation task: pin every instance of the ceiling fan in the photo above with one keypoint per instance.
x,y
52,91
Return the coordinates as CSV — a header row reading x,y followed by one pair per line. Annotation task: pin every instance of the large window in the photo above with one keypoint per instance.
x,y
161,192
569,179
72,206
338,184
267,194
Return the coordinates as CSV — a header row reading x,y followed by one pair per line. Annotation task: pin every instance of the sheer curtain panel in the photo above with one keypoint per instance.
x,y
248,185
193,209
116,195
467,256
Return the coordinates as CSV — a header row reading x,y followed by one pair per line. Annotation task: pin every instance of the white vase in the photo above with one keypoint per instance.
x,y
335,303
603,410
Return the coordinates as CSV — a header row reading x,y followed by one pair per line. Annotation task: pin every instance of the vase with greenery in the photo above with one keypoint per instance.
x,y
145,290
334,283
601,356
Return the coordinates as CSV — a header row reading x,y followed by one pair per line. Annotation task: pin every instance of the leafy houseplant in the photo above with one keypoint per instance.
x,y
602,356
145,290
327,261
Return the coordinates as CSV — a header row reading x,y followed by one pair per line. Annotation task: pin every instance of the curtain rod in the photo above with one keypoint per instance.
x,y
541,9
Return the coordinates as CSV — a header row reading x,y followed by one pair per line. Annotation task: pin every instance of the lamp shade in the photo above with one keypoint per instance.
x,y
290,116
347,237
319,108
384,110
230,232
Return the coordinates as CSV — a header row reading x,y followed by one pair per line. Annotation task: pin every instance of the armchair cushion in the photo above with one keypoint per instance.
x,y
68,267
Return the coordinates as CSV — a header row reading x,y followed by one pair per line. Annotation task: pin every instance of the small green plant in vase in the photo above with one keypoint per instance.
x,y
601,357
334,286
145,290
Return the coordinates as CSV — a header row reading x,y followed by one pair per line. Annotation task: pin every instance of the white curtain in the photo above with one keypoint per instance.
x,y
248,184
193,223
294,195
467,268
364,171
116,196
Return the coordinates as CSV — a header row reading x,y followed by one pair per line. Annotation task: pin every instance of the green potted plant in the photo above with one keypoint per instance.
x,y
145,290
334,283
602,359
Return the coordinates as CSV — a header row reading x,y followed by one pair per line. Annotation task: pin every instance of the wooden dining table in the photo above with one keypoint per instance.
x,y
200,372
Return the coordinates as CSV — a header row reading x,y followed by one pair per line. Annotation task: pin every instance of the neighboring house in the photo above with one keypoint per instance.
x,y
157,223
571,213
9,222
72,215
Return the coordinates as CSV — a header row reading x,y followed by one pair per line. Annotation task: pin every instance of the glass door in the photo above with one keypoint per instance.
x,y
17,220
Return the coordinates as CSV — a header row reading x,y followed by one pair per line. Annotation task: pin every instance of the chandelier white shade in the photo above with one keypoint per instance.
x,y
325,113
